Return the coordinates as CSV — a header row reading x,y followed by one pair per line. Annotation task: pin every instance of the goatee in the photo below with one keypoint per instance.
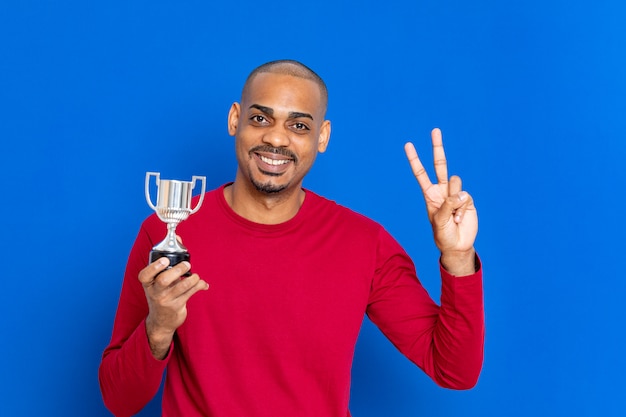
x,y
267,187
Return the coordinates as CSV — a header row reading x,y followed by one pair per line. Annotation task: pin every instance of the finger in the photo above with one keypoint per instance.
x,y
172,275
417,167
196,284
183,289
468,203
439,157
459,213
455,186
149,273
452,207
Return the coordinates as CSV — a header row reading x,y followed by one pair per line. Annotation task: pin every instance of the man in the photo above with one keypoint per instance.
x,y
291,276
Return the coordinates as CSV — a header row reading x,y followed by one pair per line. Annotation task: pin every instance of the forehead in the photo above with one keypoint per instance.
x,y
283,91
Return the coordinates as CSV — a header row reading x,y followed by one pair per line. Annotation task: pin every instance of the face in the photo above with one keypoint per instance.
x,y
279,128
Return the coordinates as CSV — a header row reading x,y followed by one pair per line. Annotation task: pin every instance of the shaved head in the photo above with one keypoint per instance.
x,y
292,68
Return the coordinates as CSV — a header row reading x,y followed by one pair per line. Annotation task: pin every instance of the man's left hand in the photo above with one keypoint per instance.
x,y
451,210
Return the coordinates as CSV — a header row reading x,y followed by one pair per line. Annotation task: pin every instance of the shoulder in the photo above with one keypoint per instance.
x,y
356,232
341,215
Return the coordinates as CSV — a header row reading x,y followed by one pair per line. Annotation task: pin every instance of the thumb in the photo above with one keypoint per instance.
x,y
452,208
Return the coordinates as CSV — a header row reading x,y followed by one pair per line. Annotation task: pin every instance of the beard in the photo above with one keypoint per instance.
x,y
267,187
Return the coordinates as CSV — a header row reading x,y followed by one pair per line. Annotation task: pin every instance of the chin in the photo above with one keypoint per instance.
x,y
268,187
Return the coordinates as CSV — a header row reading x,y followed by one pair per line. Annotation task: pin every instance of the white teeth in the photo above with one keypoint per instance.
x,y
274,161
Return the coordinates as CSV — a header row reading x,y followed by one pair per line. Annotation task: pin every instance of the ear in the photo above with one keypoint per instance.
x,y
233,119
322,142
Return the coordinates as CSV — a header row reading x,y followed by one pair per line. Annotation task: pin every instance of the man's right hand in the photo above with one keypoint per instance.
x,y
167,294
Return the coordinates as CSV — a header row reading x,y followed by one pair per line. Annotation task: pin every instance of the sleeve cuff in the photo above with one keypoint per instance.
x,y
478,267
146,357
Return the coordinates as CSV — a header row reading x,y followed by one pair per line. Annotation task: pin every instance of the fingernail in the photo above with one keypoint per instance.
x,y
164,261
457,219
462,196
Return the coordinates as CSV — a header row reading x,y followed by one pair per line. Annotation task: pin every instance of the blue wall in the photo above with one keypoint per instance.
x,y
531,98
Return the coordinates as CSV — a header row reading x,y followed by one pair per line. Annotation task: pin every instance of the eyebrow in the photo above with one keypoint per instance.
x,y
270,111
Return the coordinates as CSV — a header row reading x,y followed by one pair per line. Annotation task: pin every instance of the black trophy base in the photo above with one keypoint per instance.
x,y
174,257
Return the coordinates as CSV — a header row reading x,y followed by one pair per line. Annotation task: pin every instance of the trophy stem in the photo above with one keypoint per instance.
x,y
171,236
170,248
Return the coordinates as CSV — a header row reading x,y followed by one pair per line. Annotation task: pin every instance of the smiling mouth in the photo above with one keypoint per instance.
x,y
271,163
275,162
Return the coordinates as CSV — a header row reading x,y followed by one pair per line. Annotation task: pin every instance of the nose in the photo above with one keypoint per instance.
x,y
276,137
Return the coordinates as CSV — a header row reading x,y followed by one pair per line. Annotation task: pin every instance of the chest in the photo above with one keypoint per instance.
x,y
290,290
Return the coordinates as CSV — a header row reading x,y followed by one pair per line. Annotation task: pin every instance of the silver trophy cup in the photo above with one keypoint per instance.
x,y
173,206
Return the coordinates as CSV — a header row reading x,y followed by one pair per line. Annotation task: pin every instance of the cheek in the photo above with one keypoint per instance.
x,y
241,153
241,144
308,155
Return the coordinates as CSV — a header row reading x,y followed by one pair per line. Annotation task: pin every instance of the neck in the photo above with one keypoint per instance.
x,y
259,207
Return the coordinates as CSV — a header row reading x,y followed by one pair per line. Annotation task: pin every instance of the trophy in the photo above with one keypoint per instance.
x,y
173,206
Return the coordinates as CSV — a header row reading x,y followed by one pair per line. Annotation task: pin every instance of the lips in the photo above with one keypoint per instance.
x,y
271,163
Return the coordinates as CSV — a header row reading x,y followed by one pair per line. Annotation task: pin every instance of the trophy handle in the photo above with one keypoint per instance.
x,y
193,185
148,199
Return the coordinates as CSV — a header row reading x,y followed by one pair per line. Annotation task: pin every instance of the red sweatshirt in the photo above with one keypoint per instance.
x,y
275,333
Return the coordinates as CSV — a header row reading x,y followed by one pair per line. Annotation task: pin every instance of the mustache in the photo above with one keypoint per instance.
x,y
276,151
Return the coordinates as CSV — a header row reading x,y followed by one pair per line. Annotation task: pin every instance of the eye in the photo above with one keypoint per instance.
x,y
300,126
259,119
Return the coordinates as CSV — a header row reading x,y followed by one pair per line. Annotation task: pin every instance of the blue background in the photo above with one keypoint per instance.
x,y
531,98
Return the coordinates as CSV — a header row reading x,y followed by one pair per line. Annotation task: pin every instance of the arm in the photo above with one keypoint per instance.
x,y
149,308
445,341
459,333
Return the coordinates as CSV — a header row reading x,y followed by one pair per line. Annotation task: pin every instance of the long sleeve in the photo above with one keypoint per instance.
x,y
129,375
446,341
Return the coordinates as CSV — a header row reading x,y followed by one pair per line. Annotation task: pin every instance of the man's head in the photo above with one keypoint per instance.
x,y
293,68
279,126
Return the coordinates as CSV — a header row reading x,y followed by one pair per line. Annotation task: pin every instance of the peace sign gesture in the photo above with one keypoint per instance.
x,y
450,210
